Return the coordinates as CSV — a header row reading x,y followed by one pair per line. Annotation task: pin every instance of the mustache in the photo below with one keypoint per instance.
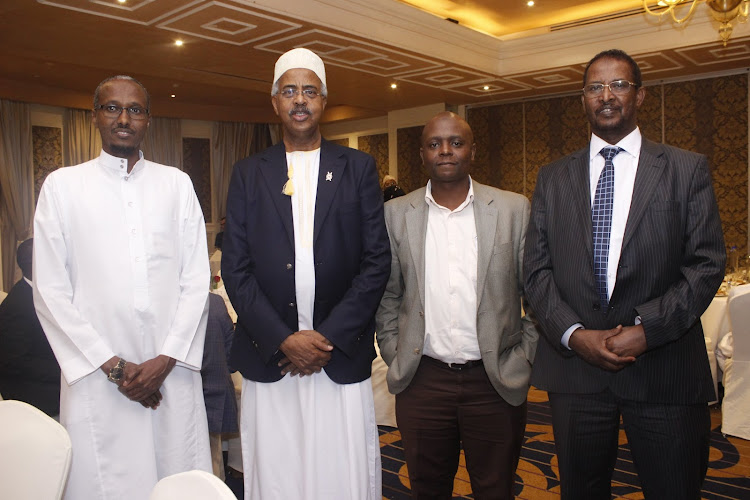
x,y
299,109
124,129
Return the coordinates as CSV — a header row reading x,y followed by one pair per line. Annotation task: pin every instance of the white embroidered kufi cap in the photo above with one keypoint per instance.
x,y
300,58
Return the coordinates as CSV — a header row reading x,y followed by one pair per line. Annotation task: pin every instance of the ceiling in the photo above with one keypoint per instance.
x,y
55,52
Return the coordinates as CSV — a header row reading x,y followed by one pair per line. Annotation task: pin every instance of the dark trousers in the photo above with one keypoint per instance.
x,y
669,445
443,409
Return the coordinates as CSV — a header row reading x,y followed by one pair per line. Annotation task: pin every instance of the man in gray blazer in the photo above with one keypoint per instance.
x,y
624,253
450,324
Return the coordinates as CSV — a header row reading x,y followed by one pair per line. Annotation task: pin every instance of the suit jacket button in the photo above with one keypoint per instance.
x,y
291,304
288,266
596,306
421,314
416,351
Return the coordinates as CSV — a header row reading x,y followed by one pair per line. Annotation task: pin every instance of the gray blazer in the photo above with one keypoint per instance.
x,y
507,340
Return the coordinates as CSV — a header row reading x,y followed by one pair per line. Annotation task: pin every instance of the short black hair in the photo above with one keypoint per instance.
x,y
24,254
620,56
121,77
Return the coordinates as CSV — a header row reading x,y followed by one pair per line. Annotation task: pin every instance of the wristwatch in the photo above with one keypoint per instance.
x,y
117,371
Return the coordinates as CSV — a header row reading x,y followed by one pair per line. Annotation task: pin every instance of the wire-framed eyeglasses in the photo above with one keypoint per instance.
x,y
112,111
618,87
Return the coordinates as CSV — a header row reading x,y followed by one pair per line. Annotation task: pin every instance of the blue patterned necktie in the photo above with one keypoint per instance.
x,y
601,220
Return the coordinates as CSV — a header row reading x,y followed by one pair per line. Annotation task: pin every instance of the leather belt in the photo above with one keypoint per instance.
x,y
455,366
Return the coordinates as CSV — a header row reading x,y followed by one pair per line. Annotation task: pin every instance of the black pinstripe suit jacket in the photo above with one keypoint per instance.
x,y
671,265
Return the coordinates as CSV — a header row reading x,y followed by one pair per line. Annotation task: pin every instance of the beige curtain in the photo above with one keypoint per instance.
x,y
231,142
82,141
163,142
16,185
276,133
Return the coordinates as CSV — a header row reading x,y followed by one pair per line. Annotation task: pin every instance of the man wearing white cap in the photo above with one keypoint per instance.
x,y
305,261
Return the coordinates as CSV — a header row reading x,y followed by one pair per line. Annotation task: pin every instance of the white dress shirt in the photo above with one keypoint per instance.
x,y
451,281
626,166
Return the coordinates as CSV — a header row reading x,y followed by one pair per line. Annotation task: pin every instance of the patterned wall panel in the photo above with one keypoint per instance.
x,y
649,114
344,141
47,145
196,162
538,133
710,117
377,146
411,173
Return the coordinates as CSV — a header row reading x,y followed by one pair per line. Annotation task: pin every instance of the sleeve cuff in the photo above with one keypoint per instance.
x,y
566,336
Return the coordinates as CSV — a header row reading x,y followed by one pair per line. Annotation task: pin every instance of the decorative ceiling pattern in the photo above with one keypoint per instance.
x,y
234,44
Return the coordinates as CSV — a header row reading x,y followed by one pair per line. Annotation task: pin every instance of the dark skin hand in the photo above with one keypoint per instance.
x,y
130,372
591,345
149,380
306,352
630,343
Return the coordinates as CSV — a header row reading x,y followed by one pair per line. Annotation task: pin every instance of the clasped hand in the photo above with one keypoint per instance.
x,y
141,382
611,350
305,352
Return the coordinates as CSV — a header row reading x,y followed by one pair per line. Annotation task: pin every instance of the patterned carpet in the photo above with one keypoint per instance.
x,y
536,479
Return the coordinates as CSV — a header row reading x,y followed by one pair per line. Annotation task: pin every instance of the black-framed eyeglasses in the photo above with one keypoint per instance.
x,y
112,111
618,87
290,92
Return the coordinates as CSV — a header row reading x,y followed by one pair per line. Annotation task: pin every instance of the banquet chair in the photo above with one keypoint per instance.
x,y
735,407
36,453
192,485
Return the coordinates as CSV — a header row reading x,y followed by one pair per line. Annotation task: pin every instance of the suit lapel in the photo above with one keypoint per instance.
x,y
332,166
578,169
273,168
485,219
416,228
650,168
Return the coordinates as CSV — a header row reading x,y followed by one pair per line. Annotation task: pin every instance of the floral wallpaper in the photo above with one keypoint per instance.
x,y
47,147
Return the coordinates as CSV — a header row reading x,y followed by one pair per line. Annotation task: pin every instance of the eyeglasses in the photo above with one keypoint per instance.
x,y
289,92
112,111
618,87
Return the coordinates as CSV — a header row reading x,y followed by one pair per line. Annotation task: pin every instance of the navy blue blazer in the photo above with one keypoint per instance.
x,y
352,261
218,389
28,369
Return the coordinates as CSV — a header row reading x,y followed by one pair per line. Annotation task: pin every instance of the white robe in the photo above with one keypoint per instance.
x,y
121,269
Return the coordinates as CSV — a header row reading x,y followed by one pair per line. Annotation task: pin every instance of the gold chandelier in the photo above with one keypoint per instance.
x,y
723,11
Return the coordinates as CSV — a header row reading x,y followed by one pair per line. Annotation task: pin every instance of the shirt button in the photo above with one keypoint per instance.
x,y
132,231
291,304
130,203
288,266
137,259
416,351
125,178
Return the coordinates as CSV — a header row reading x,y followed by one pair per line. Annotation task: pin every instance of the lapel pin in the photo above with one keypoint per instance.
x,y
329,176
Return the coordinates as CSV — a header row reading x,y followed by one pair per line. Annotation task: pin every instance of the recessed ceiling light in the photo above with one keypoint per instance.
x,y
173,96
486,87
122,1
178,43
393,85
530,3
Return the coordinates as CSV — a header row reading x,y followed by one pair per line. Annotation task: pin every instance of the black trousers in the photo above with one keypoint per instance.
x,y
669,445
443,409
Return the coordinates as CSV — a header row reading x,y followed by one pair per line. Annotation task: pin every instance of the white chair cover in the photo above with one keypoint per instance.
x,y
192,485
735,408
35,453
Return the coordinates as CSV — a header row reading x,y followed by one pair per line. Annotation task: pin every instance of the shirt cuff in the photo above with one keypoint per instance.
x,y
568,333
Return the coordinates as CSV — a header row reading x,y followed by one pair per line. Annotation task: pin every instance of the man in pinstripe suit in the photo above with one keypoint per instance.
x,y
619,297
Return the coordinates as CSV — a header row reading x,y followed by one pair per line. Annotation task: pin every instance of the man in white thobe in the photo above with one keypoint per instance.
x,y
120,287
305,261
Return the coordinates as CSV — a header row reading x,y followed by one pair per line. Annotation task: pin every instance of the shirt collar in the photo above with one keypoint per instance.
x,y
27,280
631,143
469,197
117,164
